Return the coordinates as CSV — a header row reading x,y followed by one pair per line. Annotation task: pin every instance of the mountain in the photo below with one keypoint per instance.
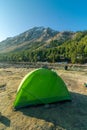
x,y
37,37
45,44
25,40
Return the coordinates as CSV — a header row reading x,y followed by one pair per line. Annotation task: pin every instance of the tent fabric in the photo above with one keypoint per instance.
x,y
41,86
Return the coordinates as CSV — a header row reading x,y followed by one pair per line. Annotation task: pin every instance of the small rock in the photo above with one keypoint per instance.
x,y
47,106
0,114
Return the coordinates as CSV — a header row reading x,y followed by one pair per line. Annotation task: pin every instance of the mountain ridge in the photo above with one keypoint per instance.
x,y
45,44
34,35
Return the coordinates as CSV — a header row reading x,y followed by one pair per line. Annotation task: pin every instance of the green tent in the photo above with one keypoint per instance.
x,y
41,86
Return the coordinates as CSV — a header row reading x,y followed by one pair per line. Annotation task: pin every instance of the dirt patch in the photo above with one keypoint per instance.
x,y
59,116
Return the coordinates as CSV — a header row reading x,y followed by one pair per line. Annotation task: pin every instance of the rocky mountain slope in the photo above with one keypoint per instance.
x,y
35,37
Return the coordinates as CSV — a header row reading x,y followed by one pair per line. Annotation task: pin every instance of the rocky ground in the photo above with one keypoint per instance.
x,y
58,116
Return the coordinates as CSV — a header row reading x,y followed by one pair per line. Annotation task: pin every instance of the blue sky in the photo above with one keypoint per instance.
x,y
17,16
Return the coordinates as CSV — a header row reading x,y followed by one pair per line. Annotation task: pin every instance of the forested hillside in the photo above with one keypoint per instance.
x,y
66,46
